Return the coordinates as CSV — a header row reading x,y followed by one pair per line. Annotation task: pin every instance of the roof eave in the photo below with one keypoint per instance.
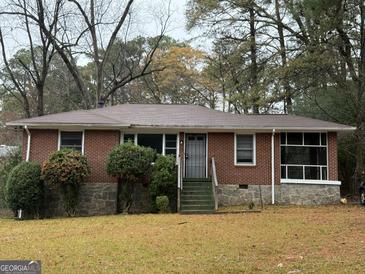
x,y
200,127
61,125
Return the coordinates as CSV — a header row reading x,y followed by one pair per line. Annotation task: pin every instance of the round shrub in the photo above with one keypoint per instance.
x,y
163,178
162,203
24,189
131,164
66,168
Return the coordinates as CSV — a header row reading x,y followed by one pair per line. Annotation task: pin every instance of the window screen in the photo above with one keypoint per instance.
x,y
72,140
170,144
244,149
304,156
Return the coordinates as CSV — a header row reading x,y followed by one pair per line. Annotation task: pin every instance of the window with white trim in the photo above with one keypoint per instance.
x,y
165,144
71,139
245,149
128,138
151,140
170,144
304,156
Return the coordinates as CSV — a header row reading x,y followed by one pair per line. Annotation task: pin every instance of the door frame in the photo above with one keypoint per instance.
x,y
206,151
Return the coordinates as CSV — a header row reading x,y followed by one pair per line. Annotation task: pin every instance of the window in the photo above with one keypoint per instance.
x,y
245,149
304,156
151,140
170,144
165,144
128,138
73,140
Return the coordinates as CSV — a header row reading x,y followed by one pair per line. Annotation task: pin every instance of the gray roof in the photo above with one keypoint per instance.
x,y
175,116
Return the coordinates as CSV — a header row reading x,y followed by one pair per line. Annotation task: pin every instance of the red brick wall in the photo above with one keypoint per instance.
x,y
43,143
221,147
98,144
332,156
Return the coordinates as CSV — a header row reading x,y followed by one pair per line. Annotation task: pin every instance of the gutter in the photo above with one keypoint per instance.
x,y
273,167
28,143
181,127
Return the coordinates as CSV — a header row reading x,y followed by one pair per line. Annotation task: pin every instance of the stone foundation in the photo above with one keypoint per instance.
x,y
94,199
295,194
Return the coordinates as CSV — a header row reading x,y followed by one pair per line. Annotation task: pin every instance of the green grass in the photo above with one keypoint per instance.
x,y
323,239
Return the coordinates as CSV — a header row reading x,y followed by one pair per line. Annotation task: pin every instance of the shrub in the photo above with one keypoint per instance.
x,y
68,169
132,164
162,203
7,163
24,188
163,178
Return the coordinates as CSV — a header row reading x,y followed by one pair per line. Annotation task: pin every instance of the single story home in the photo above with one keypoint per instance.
x,y
223,158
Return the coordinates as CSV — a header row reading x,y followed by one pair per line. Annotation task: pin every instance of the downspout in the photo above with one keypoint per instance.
x,y
28,143
20,211
273,167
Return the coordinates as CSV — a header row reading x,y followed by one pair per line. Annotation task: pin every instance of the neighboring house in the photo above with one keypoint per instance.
x,y
285,159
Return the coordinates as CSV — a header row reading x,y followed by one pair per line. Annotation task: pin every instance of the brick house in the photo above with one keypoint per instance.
x,y
222,158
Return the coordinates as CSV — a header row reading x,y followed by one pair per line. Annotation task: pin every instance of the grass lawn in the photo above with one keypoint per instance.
x,y
323,239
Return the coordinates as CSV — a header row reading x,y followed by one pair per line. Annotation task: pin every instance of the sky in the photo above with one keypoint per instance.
x,y
177,23
145,24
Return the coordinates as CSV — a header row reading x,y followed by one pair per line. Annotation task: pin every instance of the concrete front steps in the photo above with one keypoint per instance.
x,y
197,197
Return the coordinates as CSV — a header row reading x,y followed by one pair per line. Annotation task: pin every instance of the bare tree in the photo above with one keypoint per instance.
x,y
83,29
37,68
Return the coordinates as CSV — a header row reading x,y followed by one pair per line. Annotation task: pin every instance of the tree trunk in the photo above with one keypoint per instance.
x,y
40,104
253,57
287,89
360,120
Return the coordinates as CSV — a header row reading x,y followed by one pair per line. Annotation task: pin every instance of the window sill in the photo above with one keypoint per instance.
x,y
243,165
310,182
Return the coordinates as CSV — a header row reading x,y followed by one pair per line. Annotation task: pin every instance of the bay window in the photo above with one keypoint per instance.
x,y
304,156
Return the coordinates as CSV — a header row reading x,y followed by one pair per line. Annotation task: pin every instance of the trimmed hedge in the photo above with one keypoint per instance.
x,y
130,162
68,169
66,166
7,163
24,188
163,178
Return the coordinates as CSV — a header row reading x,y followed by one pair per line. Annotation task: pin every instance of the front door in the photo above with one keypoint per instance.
x,y
195,156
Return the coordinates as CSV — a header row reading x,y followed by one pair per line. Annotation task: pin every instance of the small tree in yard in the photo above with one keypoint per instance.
x,y
163,178
24,188
68,169
131,164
